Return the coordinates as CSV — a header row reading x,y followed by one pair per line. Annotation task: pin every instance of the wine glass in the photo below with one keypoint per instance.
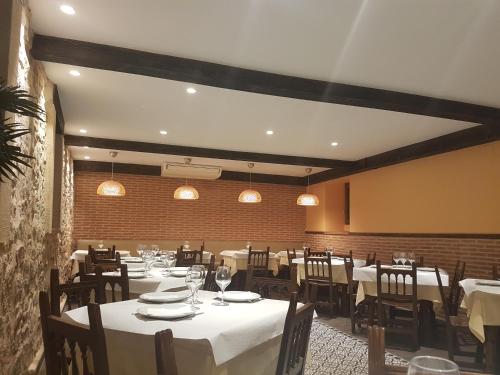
x,y
186,245
396,256
223,279
429,365
194,279
403,258
411,258
155,249
149,258
168,259
329,250
199,281
100,244
305,246
249,244
140,249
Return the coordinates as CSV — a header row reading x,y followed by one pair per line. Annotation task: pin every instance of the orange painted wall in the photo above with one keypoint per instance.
x,y
456,192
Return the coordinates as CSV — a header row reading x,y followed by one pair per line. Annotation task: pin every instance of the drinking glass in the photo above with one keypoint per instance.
x,y
155,249
223,279
149,258
329,250
199,282
140,249
248,245
194,279
403,259
305,246
168,259
397,257
100,245
429,365
186,245
411,258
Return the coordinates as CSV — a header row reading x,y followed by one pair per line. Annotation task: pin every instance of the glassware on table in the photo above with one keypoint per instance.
x,y
429,365
329,250
194,279
411,258
199,282
155,249
186,245
248,245
305,246
140,249
403,258
223,279
149,258
100,244
168,259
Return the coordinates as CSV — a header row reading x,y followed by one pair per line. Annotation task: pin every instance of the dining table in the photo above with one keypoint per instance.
x,y
482,302
79,255
238,260
240,338
339,275
283,256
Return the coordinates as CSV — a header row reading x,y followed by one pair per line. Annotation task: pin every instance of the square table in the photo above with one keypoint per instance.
x,y
238,261
242,338
338,269
283,255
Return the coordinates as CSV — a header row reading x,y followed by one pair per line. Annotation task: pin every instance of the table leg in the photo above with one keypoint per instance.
x,y
491,349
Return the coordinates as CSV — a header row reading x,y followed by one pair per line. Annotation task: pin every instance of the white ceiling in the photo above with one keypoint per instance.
x,y
445,48
128,157
132,107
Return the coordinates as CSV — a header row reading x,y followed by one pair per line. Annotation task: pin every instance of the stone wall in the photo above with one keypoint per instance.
x,y
31,247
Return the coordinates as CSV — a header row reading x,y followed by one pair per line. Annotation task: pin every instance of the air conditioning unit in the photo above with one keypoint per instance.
x,y
187,170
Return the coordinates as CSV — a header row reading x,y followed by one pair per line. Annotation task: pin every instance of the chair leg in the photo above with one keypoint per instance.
x,y
450,339
330,300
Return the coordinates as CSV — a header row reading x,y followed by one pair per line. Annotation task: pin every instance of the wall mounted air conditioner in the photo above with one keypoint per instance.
x,y
187,170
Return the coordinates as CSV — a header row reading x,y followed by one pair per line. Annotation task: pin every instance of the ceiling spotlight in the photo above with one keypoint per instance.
x,y
270,132
191,90
163,132
67,9
334,144
74,73
86,157
83,131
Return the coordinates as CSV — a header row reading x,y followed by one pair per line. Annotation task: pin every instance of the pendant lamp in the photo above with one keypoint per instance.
x,y
186,192
111,188
308,199
250,195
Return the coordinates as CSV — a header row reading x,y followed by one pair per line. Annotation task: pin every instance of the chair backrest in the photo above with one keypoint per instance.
x,y
349,268
454,288
291,255
295,339
370,260
77,294
96,255
318,268
396,284
165,355
444,301
60,335
376,354
210,283
108,264
120,279
259,259
186,258
271,287
315,253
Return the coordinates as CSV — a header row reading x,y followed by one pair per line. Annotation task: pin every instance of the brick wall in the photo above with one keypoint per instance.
x,y
479,254
148,211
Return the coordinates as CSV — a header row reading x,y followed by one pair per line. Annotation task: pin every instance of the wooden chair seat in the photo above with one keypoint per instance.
x,y
271,287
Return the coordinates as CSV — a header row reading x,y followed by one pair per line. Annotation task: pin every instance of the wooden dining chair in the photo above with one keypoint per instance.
x,y
77,294
108,264
186,258
455,291
113,281
60,335
291,255
318,272
315,253
165,354
295,339
210,283
259,259
272,287
96,255
370,259
397,289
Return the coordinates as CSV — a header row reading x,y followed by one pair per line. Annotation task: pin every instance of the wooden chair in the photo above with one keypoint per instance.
x,y
165,355
59,335
397,288
186,258
370,260
318,272
455,325
315,253
108,264
77,294
494,273
455,291
259,259
271,287
291,255
295,339
96,255
120,280
210,283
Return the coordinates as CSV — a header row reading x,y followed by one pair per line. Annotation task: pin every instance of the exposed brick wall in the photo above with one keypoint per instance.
x,y
148,211
479,254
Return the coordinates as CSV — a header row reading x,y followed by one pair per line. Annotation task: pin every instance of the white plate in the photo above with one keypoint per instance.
x,y
174,311
179,268
160,297
133,260
136,275
178,273
238,296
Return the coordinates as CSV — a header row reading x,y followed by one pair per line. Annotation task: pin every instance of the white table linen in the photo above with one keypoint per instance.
x,y
238,260
338,269
242,336
283,255
427,285
483,305
79,255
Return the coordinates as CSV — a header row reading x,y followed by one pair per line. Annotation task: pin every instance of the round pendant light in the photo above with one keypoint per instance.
x,y
308,199
250,195
111,188
186,192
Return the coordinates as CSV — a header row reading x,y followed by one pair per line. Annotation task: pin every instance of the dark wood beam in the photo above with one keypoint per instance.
x,y
60,123
153,170
158,148
99,56
455,141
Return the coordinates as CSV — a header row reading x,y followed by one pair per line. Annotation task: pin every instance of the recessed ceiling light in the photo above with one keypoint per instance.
x,y
86,157
270,132
163,132
74,73
191,90
67,9
334,144
83,131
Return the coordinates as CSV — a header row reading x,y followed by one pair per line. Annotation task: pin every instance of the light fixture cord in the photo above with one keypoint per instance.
x,y
112,170
250,178
307,187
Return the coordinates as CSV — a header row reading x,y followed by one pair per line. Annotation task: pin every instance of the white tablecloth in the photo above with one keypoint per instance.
x,y
283,255
79,255
338,269
427,285
238,260
483,305
243,336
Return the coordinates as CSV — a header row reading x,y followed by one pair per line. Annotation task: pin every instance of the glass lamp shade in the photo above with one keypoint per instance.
x,y
250,196
111,188
308,200
186,192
